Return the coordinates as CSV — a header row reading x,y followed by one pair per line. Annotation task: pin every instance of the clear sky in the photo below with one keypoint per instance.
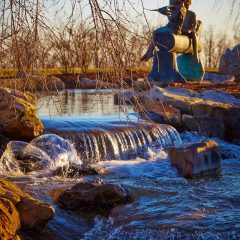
x,y
207,11
211,12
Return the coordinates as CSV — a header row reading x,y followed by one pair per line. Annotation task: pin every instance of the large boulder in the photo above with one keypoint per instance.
x,y
46,152
197,158
93,196
78,170
229,114
24,157
9,220
211,126
18,116
33,213
230,62
61,151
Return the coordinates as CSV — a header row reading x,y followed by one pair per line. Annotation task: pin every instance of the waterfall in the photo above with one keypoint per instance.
x,y
121,142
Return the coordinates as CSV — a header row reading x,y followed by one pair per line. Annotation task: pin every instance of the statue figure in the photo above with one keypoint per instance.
x,y
191,28
179,36
176,13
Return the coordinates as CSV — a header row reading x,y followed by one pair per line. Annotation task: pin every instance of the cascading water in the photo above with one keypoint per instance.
x,y
165,205
120,143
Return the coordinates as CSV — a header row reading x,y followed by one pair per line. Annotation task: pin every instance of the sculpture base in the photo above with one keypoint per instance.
x,y
189,69
165,68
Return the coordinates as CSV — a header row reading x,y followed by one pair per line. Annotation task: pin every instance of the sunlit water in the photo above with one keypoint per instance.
x,y
165,205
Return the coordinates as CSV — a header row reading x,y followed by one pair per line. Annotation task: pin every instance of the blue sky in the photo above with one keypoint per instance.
x,y
206,10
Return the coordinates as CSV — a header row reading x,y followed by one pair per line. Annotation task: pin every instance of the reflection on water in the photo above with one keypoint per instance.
x,y
78,107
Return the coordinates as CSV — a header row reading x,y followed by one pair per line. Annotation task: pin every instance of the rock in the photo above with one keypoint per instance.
x,y
220,97
46,152
9,220
24,157
33,213
229,62
197,158
58,149
218,78
213,104
3,144
161,113
18,115
47,84
76,170
228,113
141,85
211,126
93,196
181,91
87,83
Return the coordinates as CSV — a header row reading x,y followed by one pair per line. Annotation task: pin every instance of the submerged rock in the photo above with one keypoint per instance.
x,y
197,158
46,152
77,170
33,213
24,157
9,220
58,149
18,115
94,196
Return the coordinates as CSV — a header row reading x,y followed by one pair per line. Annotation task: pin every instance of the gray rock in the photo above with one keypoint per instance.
x,y
230,61
218,78
211,126
196,159
93,196
219,96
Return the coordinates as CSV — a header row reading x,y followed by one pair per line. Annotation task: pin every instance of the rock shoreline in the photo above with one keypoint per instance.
x,y
214,113
20,211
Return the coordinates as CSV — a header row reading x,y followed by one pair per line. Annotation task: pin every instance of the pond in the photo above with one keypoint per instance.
x,y
165,205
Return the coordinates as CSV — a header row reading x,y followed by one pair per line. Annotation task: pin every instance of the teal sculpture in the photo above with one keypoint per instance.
x,y
175,47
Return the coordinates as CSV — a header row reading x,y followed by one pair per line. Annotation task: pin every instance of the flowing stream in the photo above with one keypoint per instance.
x,y
164,206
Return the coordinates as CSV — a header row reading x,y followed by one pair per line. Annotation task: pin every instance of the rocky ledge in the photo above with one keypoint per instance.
x,y
215,113
19,210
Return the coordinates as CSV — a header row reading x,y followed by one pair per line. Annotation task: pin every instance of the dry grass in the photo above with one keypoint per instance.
x,y
11,72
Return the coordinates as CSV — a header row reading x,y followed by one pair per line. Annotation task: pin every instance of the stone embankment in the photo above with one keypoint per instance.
x,y
215,113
